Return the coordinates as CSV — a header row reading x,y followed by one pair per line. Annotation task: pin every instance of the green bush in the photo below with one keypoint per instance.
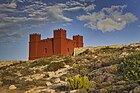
x,y
78,82
55,66
130,67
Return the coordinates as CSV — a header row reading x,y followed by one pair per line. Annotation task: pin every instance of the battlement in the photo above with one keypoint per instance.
x,y
60,33
78,38
60,29
77,35
35,34
35,37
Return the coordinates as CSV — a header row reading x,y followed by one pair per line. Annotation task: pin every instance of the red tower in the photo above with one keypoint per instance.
x,y
59,45
33,45
79,40
59,42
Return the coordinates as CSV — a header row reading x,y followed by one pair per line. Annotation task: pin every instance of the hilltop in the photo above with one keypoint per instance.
x,y
108,69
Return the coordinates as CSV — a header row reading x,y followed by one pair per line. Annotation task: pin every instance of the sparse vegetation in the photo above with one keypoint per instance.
x,y
68,60
55,66
130,67
107,69
41,62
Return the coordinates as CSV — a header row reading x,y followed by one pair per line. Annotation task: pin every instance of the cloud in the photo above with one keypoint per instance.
x,y
56,13
74,6
109,24
86,0
67,24
108,19
90,7
17,17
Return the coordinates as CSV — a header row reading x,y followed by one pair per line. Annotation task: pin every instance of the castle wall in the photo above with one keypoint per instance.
x,y
45,48
69,47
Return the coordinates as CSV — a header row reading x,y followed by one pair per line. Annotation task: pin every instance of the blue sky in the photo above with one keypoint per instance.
x,y
101,22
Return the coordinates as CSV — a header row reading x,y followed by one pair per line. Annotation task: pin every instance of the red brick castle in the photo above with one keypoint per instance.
x,y
59,45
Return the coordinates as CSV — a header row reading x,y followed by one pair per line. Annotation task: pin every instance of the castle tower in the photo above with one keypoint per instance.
x,y
59,41
60,33
33,45
79,40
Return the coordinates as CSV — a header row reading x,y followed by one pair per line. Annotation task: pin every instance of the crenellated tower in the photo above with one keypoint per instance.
x,y
79,40
59,41
33,45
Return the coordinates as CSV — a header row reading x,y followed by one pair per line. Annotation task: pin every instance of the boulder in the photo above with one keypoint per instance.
x,y
48,83
57,80
51,74
73,91
12,87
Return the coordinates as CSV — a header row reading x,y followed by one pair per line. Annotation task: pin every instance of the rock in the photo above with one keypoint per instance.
x,y
124,54
48,83
51,74
57,80
95,56
67,66
121,82
73,91
12,87
48,91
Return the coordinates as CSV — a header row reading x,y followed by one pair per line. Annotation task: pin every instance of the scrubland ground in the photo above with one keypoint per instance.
x,y
107,69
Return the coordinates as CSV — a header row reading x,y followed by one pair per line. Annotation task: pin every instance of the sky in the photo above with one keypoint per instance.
x,y
101,22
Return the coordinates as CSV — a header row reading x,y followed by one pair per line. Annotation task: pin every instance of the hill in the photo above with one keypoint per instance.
x,y
104,69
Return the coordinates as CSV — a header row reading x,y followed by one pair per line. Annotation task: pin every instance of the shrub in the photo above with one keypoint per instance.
x,y
63,77
87,51
78,82
41,62
55,66
68,60
130,67
60,88
26,71
82,91
8,81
